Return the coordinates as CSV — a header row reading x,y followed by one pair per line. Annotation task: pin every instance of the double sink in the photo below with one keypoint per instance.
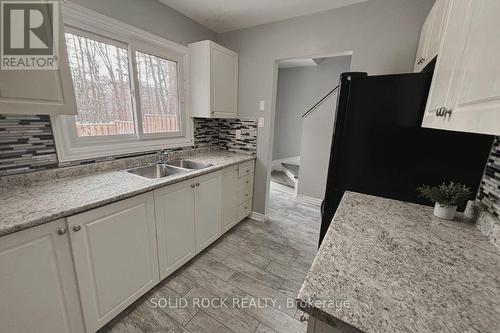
x,y
170,168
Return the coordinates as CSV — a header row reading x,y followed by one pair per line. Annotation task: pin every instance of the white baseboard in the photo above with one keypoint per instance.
x,y
258,217
310,200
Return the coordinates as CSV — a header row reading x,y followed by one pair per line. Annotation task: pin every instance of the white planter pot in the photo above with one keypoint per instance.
x,y
445,212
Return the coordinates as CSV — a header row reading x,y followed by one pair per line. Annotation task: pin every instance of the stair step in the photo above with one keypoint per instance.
x,y
293,168
281,178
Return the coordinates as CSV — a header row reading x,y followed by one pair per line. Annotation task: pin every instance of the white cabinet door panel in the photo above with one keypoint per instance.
x,y
224,82
208,210
39,91
229,190
174,206
442,90
38,290
477,103
115,256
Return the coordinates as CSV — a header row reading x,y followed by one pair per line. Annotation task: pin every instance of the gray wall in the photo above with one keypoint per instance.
x,y
151,16
298,90
382,34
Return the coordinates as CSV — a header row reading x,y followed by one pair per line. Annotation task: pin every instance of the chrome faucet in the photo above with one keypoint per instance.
x,y
163,156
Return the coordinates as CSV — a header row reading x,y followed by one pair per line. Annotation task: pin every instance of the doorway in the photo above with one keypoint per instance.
x,y
303,126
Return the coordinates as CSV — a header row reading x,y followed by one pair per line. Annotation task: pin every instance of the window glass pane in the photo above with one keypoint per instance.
x,y
101,81
159,95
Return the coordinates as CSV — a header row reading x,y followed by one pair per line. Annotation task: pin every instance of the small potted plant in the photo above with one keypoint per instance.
x,y
447,198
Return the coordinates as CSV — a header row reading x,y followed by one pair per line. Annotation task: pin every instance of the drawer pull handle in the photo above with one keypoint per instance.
x,y
443,112
246,194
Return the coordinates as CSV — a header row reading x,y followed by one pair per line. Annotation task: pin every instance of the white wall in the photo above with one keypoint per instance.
x,y
151,16
298,90
382,34
317,132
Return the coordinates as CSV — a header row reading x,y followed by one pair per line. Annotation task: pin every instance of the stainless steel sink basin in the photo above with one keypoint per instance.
x,y
156,171
188,164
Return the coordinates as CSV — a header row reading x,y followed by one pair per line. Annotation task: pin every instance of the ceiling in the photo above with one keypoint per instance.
x,y
227,15
306,62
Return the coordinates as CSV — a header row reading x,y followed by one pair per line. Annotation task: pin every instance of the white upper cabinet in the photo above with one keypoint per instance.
x,y
431,35
465,93
39,91
213,80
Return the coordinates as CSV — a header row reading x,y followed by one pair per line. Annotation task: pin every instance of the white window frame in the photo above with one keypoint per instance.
x,y
81,21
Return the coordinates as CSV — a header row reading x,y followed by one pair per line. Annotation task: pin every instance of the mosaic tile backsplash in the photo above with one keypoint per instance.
x,y
489,191
27,142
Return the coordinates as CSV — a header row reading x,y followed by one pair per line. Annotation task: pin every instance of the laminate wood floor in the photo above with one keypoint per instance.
x,y
253,262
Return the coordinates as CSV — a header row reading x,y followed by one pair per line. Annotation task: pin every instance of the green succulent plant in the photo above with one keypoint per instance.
x,y
447,194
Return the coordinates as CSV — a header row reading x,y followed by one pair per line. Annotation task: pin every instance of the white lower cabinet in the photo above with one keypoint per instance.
x,y
207,209
38,291
76,275
174,206
115,254
229,192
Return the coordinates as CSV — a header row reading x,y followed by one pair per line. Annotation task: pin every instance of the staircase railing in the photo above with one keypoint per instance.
x,y
320,102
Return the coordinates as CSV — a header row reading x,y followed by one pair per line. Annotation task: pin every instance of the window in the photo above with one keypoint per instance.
x,y
158,93
129,89
101,82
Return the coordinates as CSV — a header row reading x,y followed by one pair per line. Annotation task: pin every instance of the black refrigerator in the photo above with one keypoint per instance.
x,y
380,148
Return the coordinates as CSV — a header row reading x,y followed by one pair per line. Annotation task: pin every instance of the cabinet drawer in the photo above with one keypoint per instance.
x,y
244,209
246,181
245,168
244,194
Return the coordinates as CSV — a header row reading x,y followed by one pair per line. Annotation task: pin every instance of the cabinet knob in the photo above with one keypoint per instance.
x,y
304,317
248,182
197,184
193,185
61,231
248,171
76,228
443,112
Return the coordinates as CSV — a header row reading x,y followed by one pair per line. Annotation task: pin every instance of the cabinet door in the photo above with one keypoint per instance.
x,y
423,44
442,88
207,209
38,291
476,106
229,196
39,91
115,253
174,207
436,33
224,82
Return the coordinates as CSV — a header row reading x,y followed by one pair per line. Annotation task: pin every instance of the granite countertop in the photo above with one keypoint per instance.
x,y
27,206
390,266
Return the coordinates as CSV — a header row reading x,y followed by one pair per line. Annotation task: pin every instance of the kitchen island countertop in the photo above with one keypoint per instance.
x,y
390,266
